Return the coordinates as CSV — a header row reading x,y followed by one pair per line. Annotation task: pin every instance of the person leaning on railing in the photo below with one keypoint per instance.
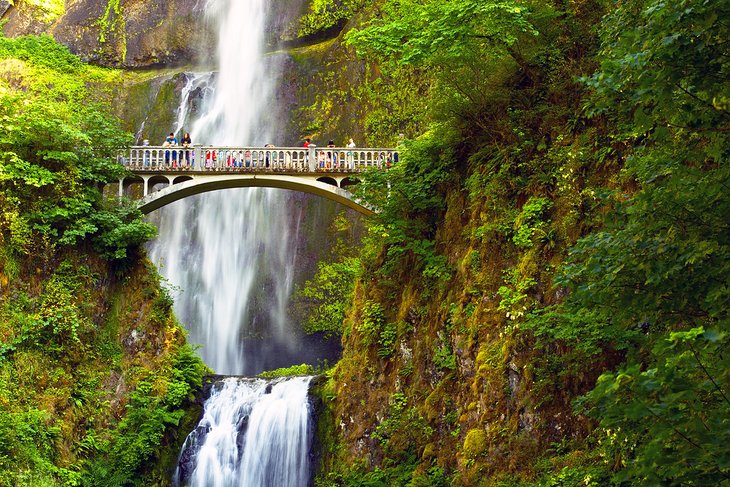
x,y
170,141
186,143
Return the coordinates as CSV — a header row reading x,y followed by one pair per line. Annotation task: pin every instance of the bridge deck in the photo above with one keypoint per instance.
x,y
168,174
284,160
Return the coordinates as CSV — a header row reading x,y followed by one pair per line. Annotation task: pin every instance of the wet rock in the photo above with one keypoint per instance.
x,y
527,421
513,378
133,341
139,34
189,453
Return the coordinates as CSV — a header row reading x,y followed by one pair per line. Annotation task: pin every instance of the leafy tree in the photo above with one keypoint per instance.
x,y
465,47
329,294
327,14
433,32
59,147
661,264
324,300
410,197
665,247
667,424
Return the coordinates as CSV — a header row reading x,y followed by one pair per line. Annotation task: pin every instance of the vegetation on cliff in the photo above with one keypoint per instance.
x,y
94,369
543,298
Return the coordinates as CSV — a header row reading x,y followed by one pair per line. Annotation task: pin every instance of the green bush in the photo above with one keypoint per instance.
x,y
58,145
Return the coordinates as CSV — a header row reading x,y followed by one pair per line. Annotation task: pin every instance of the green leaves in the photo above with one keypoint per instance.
x,y
423,32
325,14
529,222
667,64
17,171
58,145
669,423
329,293
120,229
410,199
662,262
42,50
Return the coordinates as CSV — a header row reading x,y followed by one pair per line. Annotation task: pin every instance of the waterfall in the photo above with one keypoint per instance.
x,y
252,433
193,83
230,255
230,259
240,112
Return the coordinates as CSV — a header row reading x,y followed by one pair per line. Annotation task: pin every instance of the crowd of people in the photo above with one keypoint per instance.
x,y
327,158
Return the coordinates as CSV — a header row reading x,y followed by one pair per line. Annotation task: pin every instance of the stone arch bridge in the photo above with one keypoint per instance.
x,y
168,174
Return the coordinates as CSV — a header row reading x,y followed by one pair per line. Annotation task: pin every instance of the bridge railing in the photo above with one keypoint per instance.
x,y
259,159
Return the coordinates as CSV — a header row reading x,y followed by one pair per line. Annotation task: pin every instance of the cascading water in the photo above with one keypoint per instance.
x,y
232,257
232,254
240,439
194,83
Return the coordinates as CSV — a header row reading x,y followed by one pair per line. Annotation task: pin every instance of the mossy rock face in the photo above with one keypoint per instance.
x,y
320,81
475,443
143,33
23,19
152,101
132,33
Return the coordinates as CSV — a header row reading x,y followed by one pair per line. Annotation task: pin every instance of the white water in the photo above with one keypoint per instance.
x,y
230,255
253,433
193,81
240,112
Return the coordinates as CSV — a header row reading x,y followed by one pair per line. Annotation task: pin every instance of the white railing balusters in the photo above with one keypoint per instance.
x,y
256,159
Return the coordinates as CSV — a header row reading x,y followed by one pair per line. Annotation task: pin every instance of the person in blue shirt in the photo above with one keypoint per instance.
x,y
170,141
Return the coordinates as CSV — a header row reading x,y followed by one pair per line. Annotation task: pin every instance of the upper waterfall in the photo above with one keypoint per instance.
x,y
232,256
239,112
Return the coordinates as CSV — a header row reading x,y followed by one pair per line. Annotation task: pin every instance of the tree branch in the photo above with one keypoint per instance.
x,y
707,373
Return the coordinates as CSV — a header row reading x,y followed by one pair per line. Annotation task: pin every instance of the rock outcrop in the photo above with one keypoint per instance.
x,y
140,33
121,33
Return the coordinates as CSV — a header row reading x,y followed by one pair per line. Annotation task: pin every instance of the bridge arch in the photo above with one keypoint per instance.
x,y
328,180
348,181
158,179
181,179
184,186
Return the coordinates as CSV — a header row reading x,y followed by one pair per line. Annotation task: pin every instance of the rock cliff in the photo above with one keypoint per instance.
x,y
138,33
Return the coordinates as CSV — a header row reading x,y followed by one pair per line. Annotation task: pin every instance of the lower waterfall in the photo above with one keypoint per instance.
x,y
253,433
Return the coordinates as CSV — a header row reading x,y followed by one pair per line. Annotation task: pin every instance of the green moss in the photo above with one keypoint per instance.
x,y
294,370
46,10
111,20
79,399
475,443
348,97
324,14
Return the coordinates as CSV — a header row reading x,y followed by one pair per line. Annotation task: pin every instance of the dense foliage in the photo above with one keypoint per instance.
x,y
663,260
59,147
85,401
583,278
94,370
326,14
